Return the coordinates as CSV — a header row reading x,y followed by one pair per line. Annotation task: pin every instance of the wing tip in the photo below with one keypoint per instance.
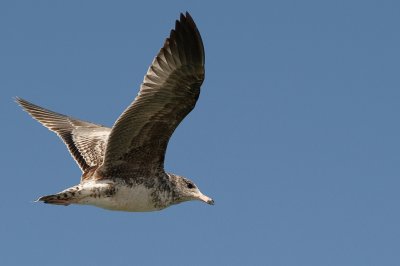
x,y
18,100
24,104
186,30
186,19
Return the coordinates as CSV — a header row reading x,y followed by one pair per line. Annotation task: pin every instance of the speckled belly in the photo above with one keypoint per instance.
x,y
133,199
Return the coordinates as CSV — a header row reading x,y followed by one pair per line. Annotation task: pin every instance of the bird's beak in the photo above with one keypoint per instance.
x,y
206,199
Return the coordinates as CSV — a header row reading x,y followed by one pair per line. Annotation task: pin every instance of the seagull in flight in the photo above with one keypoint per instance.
x,y
123,166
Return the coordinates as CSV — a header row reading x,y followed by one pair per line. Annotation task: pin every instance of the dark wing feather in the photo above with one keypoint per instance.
x,y
168,93
85,141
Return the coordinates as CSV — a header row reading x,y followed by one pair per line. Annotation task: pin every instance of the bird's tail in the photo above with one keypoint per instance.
x,y
55,199
65,197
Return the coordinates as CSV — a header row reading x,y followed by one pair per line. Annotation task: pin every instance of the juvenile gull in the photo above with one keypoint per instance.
x,y
123,166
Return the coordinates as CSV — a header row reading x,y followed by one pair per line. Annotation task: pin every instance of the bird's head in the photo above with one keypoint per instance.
x,y
187,190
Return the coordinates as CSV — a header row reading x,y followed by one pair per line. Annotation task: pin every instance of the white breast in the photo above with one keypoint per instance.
x,y
133,199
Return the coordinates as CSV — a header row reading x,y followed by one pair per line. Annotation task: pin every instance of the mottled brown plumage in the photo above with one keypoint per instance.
x,y
168,93
85,141
123,167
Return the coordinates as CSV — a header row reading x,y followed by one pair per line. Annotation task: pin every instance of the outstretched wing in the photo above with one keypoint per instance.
x,y
85,141
168,93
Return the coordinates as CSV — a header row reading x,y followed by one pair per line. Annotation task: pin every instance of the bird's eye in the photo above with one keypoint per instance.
x,y
190,185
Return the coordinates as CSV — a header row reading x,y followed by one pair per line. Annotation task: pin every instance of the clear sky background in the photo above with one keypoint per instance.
x,y
295,135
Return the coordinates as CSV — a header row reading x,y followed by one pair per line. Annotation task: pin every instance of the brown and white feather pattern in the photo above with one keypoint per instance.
x,y
170,89
123,167
85,141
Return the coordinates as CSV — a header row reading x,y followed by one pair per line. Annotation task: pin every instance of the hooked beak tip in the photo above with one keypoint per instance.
x,y
211,202
207,200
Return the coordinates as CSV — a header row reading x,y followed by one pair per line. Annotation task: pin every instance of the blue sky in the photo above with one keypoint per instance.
x,y
295,135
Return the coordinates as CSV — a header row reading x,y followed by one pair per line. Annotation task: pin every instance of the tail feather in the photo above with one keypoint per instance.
x,y
57,199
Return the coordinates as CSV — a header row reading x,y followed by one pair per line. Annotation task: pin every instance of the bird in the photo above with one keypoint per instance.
x,y
123,166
